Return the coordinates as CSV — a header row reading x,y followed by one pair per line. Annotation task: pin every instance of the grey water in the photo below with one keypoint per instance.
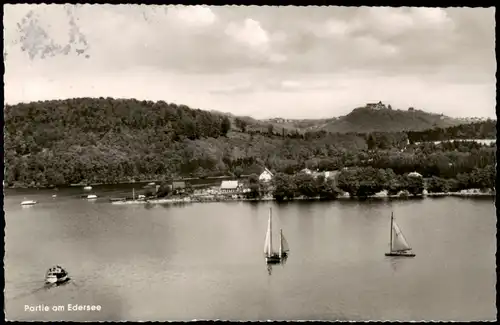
x,y
205,260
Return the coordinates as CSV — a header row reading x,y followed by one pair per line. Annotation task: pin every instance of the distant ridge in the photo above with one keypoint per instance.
x,y
379,117
375,117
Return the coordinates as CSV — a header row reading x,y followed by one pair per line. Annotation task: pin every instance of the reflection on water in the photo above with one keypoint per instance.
x,y
204,261
148,206
396,262
280,264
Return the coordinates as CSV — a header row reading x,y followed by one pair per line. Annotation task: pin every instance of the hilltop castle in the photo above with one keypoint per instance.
x,y
377,106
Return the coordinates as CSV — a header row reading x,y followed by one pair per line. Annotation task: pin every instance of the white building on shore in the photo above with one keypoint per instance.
x,y
266,175
229,186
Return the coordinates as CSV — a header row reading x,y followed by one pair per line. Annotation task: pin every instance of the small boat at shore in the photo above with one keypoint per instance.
x,y
87,188
56,274
91,197
398,246
29,202
117,199
273,257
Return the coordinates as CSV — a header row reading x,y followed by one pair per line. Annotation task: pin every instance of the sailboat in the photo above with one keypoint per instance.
x,y
398,245
273,257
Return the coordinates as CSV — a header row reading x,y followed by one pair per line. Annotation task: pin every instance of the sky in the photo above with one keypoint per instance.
x,y
291,62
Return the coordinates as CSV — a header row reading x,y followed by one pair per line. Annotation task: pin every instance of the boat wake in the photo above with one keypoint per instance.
x,y
23,287
29,288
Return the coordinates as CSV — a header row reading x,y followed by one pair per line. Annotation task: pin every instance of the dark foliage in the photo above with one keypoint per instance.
x,y
106,140
478,130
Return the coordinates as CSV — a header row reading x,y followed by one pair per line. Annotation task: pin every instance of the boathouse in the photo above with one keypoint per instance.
x,y
178,187
229,186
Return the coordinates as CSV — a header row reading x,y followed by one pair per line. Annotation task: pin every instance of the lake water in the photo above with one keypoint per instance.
x,y
205,260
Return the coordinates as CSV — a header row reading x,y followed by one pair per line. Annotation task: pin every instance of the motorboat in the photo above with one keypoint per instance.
x,y
91,196
29,202
56,274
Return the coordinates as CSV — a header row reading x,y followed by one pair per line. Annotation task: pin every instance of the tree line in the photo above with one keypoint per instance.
x,y
477,130
106,140
363,182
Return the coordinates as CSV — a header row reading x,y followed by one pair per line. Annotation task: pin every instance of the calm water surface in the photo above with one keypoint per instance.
x,y
205,261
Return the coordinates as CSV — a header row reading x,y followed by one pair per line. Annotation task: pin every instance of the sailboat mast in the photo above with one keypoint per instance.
x,y
390,243
133,194
270,231
281,243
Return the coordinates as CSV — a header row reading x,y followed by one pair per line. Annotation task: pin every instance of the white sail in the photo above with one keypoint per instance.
x,y
399,242
284,244
268,244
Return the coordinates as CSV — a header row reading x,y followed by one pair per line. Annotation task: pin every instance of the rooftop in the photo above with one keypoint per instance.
x,y
179,184
267,170
414,174
229,185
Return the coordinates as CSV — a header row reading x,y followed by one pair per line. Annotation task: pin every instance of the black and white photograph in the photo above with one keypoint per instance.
x,y
249,163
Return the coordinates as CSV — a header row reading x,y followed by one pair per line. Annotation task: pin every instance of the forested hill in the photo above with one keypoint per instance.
x,y
382,118
106,140
376,117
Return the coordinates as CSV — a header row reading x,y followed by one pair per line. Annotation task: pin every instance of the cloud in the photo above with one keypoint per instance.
x,y
215,57
388,21
302,84
291,84
277,58
336,27
374,46
257,42
431,17
249,33
193,15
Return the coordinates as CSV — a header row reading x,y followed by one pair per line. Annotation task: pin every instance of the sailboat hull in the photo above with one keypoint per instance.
x,y
276,259
402,254
273,260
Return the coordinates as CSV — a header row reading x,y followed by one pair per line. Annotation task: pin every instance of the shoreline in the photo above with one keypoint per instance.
x,y
191,200
461,194
156,181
